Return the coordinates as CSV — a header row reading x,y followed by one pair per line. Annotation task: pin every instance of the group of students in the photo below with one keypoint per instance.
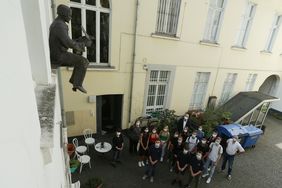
x,y
187,151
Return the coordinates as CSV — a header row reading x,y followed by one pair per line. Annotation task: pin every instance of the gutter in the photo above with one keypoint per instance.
x,y
133,61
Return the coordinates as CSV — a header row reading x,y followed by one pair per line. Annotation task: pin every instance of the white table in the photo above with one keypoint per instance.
x,y
107,147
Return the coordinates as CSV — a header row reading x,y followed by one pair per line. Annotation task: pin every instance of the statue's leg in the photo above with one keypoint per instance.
x,y
80,67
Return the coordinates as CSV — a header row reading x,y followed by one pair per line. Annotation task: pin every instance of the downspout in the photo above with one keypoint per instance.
x,y
133,61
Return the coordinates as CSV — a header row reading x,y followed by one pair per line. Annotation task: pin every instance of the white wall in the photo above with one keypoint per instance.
x,y
36,17
21,161
21,158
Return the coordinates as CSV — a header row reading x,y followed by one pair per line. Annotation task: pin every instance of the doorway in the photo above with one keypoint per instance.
x,y
109,113
269,86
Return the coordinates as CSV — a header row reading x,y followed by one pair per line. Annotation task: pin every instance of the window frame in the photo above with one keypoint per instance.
x,y
246,25
192,104
98,9
227,84
169,87
176,25
273,33
252,77
210,19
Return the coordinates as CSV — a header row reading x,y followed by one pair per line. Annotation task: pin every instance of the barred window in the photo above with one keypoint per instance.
x,y
157,90
168,14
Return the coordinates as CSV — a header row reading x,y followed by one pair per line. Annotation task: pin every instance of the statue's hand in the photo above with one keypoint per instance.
x,y
86,41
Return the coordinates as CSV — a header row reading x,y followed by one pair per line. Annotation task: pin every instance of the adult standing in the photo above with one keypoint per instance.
x,y
195,170
143,149
177,148
200,133
203,147
192,141
164,137
182,162
183,122
117,146
215,153
212,138
155,152
134,135
233,147
60,42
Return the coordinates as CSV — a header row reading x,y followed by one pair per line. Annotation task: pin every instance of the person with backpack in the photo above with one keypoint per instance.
x,y
192,141
214,156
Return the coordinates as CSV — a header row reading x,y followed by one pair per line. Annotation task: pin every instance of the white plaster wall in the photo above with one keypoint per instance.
x,y
21,160
277,105
36,18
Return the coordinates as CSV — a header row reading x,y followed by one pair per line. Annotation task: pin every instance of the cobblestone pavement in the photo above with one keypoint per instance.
x,y
260,167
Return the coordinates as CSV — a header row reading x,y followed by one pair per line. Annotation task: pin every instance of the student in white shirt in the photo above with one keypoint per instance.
x,y
233,147
192,141
215,153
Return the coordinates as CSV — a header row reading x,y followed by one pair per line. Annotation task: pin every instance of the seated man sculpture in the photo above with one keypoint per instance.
x,y
60,42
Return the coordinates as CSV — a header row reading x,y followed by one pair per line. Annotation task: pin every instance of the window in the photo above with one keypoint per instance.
x,y
168,14
273,33
246,25
250,82
157,90
199,91
94,16
228,87
214,19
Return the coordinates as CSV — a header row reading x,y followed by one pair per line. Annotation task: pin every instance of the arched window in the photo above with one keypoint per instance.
x,y
94,16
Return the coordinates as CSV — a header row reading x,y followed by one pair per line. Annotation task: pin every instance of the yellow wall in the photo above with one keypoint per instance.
x,y
186,53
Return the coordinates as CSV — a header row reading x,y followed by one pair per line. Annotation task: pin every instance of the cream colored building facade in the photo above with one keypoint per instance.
x,y
182,52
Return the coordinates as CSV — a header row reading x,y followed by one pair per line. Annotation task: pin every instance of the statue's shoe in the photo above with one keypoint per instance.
x,y
80,88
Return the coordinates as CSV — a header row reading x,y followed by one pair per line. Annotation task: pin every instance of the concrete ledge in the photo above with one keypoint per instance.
x,y
45,97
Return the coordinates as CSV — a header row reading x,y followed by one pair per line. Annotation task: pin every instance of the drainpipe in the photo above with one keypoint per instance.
x,y
133,61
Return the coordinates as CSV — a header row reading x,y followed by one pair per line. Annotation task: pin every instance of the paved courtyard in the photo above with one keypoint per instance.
x,y
260,167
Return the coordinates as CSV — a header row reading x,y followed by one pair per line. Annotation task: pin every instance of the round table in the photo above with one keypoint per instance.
x,y
107,147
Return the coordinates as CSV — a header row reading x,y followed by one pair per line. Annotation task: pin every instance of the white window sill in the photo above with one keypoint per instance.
x,y
209,43
163,36
238,48
266,52
97,68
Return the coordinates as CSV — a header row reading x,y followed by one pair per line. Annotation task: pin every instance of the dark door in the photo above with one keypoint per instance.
x,y
109,112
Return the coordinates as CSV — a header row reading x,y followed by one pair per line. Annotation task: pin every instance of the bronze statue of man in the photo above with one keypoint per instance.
x,y
60,42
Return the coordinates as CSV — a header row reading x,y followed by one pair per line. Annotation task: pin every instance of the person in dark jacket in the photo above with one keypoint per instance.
x,y
60,42
183,122
177,148
117,146
182,164
143,149
155,152
195,170
134,135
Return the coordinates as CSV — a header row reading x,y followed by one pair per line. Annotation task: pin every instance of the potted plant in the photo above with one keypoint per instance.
x,y
74,165
94,183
